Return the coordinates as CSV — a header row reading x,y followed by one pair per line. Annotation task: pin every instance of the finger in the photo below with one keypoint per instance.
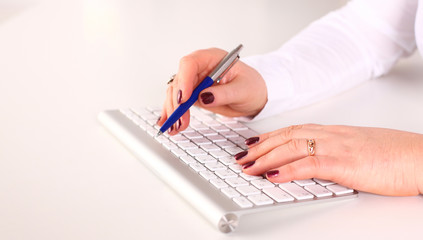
x,y
291,151
292,137
305,168
194,67
253,141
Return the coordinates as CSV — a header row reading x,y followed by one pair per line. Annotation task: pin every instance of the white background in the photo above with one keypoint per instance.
x,y
62,176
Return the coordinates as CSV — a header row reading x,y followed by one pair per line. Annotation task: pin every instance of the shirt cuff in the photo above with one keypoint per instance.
x,y
278,83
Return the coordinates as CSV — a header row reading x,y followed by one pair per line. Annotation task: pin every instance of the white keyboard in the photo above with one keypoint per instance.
x,y
199,164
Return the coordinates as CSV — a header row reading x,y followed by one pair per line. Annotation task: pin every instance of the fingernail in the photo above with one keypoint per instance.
x,y
158,120
207,97
178,124
179,97
272,173
252,140
170,129
247,165
240,155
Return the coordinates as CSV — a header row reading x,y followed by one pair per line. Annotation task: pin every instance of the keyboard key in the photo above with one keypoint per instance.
x,y
236,182
238,140
226,173
219,154
201,141
227,160
243,202
205,158
225,144
262,183
212,123
247,133
187,159
248,190
210,147
197,167
236,167
305,182
230,192
218,183
196,152
318,190
229,134
188,130
233,150
216,138
260,199
178,152
236,126
278,194
191,135
170,145
187,145
250,177
207,175
220,128
162,139
148,116
179,139
199,126
339,189
323,182
214,166
207,132
296,191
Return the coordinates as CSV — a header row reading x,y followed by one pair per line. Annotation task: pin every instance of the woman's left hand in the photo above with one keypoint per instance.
x,y
381,161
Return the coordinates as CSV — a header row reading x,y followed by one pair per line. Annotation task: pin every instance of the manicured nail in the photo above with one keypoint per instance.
x,y
240,155
272,173
252,140
178,124
179,97
207,97
158,120
247,165
170,129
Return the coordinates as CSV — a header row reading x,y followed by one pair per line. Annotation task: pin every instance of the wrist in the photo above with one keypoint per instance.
x,y
418,150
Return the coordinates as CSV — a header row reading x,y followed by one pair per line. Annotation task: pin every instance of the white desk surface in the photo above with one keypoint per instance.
x,y
62,176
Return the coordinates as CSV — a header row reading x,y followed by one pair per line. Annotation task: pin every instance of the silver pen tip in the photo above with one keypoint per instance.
x,y
159,133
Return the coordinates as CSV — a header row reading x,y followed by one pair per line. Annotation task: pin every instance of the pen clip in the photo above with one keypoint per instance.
x,y
226,63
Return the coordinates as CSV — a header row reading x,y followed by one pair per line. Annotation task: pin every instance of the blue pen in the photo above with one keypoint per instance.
x,y
216,75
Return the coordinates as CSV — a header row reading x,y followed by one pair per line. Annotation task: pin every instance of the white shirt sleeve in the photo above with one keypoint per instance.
x,y
360,41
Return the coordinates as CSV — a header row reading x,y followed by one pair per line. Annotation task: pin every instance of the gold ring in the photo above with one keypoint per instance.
x,y
311,147
171,79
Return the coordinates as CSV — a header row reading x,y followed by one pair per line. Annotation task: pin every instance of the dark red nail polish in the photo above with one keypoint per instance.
x,y
178,124
179,97
170,129
247,165
207,97
240,155
251,140
158,120
272,173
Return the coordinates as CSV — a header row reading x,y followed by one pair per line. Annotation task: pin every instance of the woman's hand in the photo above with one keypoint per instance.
x,y
241,92
381,161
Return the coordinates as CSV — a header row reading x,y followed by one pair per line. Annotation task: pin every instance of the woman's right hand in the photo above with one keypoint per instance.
x,y
241,92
